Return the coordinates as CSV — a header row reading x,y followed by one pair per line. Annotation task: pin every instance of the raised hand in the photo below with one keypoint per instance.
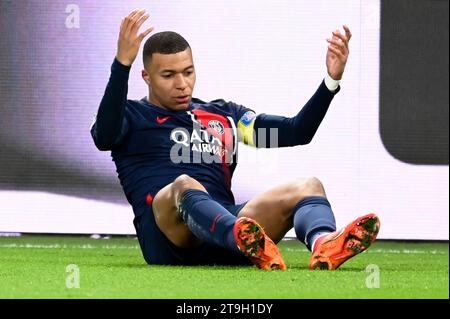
x,y
129,39
337,53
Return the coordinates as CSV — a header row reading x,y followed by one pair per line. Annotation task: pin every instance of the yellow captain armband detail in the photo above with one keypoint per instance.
x,y
245,127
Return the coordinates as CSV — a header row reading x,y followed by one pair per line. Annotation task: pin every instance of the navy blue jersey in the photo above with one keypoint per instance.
x,y
152,146
157,145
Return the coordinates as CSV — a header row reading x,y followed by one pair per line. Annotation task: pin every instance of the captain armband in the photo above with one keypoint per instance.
x,y
245,128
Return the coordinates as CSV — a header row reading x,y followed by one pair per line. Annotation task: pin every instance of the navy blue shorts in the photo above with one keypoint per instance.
x,y
157,249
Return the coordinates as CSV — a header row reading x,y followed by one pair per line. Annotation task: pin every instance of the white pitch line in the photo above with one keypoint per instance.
x,y
388,251
407,251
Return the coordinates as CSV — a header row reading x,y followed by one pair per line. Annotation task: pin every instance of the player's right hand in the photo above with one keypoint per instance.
x,y
129,39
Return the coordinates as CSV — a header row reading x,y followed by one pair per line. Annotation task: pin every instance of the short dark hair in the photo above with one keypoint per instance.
x,y
166,42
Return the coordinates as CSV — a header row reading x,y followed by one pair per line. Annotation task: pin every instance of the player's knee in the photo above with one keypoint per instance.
x,y
314,183
310,186
183,183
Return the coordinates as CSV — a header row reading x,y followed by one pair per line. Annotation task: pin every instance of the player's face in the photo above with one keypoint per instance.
x,y
171,79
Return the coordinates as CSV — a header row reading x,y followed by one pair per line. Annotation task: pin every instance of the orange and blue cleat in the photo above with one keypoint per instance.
x,y
253,242
333,249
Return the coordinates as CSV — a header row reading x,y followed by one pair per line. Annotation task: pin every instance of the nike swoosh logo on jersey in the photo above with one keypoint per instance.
x,y
162,120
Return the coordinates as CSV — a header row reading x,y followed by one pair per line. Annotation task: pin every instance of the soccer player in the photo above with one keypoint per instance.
x,y
175,156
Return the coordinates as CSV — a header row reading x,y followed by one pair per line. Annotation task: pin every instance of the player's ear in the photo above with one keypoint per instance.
x,y
146,76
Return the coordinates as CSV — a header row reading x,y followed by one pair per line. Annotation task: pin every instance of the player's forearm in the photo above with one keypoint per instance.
x,y
111,111
297,130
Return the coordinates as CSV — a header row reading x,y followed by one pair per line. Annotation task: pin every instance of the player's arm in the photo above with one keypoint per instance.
x,y
264,130
278,131
110,125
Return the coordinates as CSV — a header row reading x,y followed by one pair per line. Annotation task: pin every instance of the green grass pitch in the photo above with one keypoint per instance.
x,y
34,266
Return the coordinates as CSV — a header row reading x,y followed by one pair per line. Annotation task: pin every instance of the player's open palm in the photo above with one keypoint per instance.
x,y
337,54
129,38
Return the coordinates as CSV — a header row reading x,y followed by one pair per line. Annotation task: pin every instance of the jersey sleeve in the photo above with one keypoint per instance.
x,y
110,124
119,138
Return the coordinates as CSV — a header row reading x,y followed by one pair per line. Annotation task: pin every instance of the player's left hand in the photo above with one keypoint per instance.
x,y
337,53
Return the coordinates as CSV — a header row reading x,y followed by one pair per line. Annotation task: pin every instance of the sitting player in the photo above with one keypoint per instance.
x,y
175,157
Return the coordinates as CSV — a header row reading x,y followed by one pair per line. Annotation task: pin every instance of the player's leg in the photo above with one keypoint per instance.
x,y
303,205
187,215
276,208
167,216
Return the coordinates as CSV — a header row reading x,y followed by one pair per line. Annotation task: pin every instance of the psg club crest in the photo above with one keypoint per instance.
x,y
216,126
